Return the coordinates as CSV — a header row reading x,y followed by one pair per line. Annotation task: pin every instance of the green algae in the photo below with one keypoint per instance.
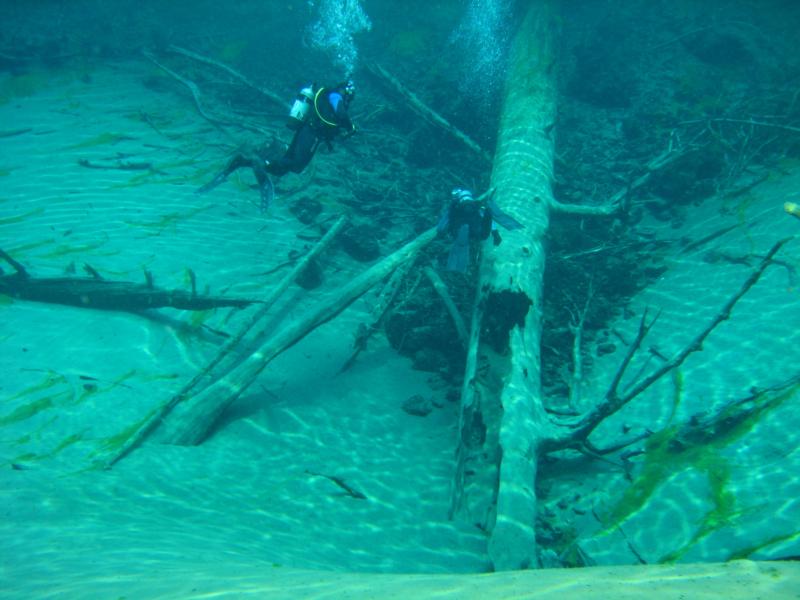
x,y
676,449
27,457
104,139
18,250
198,318
67,249
51,378
40,404
86,389
748,551
677,381
21,217
22,86
26,411
725,511
115,443
65,443
62,445
65,397
145,177
169,220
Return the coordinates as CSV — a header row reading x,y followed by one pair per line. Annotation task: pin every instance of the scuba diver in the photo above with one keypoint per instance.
x,y
467,219
317,115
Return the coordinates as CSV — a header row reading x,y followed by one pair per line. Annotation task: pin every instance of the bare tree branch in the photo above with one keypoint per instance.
x,y
426,112
275,98
614,401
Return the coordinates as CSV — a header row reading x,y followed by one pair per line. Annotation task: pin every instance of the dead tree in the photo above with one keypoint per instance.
x,y
187,417
504,429
102,294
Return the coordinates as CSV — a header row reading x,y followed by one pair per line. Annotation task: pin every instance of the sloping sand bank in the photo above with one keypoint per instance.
x,y
739,579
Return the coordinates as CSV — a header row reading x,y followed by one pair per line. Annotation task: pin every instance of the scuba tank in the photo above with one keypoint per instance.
x,y
298,114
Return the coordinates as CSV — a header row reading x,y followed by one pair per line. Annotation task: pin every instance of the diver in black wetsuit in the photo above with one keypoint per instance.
x,y
318,115
467,219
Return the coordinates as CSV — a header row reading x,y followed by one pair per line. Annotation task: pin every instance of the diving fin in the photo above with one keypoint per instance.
x,y
444,221
267,193
213,183
503,219
458,259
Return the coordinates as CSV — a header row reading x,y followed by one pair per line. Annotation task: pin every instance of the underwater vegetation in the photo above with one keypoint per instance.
x,y
629,87
23,85
108,138
698,445
40,407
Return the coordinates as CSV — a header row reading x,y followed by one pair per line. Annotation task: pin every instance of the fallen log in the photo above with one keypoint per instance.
x,y
98,293
275,98
215,369
190,421
427,113
377,314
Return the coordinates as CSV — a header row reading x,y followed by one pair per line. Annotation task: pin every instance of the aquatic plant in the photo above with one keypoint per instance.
x,y
697,445
167,221
21,217
22,86
100,140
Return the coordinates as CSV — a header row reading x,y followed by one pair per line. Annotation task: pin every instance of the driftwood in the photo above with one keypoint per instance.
x,y
744,122
349,490
504,426
440,288
470,414
426,112
192,88
502,406
216,121
618,201
190,422
95,292
377,314
275,98
187,418
211,369
614,400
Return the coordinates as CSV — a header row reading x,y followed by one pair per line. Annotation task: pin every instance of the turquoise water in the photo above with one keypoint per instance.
x,y
311,467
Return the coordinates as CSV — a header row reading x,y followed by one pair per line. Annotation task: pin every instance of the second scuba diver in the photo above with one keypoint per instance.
x,y
317,115
468,219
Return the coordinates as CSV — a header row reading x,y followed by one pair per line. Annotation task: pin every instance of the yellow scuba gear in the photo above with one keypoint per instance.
x,y
322,119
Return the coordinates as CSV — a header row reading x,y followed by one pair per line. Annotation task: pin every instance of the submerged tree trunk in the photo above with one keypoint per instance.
x,y
190,421
503,406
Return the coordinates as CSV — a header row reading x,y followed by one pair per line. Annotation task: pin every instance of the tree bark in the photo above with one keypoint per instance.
x,y
503,427
509,397
190,421
102,294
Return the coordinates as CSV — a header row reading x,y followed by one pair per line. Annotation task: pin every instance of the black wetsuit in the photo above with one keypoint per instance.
x,y
328,118
475,215
471,220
